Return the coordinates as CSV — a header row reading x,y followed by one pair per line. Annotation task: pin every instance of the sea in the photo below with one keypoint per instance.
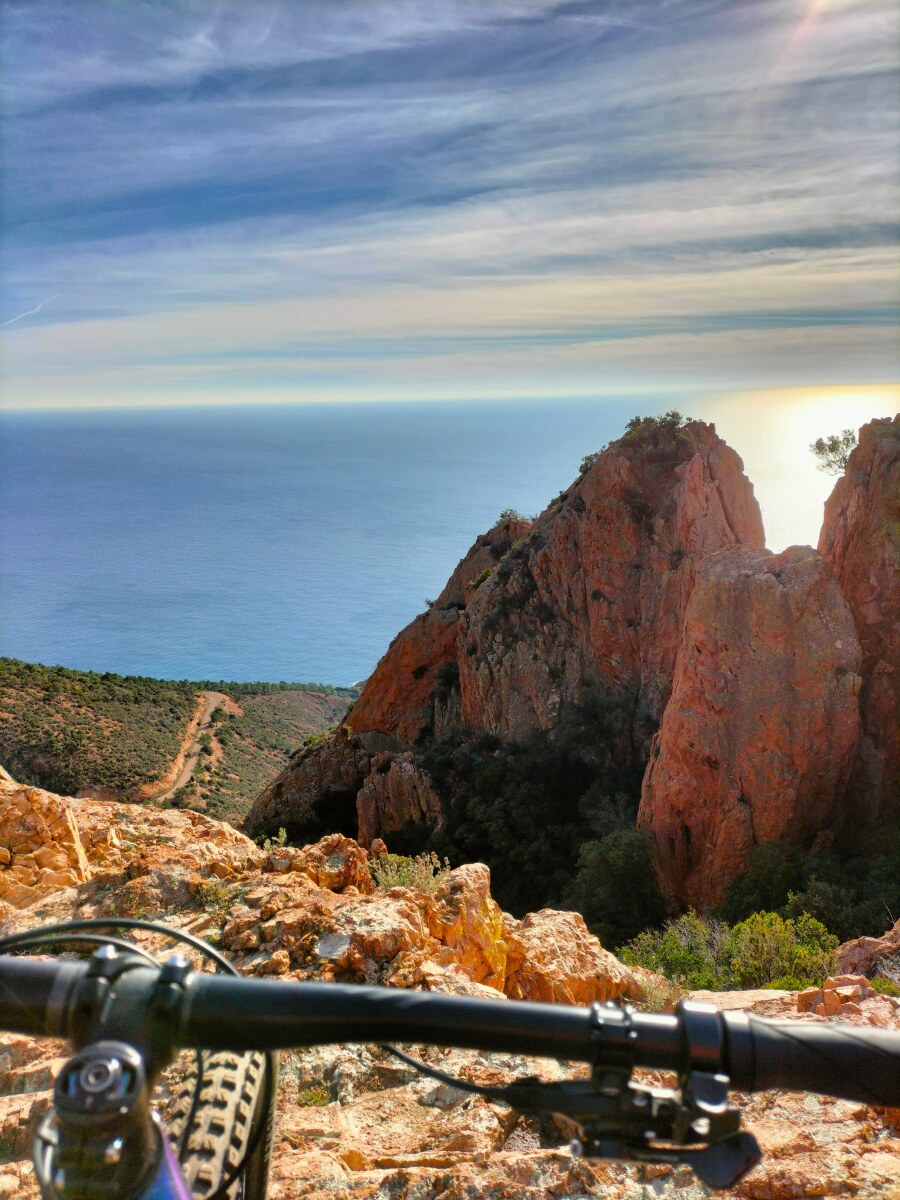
x,y
293,542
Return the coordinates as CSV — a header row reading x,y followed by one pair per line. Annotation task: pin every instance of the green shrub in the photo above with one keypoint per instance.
x,y
763,951
615,888
480,578
766,948
670,422
690,951
885,986
424,871
851,896
216,896
274,843
446,678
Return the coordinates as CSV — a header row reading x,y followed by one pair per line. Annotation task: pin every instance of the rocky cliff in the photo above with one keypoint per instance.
x,y
639,626
861,540
586,602
758,737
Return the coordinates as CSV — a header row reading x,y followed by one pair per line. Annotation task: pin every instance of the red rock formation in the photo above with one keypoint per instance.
x,y
398,699
482,557
758,737
396,793
590,596
317,792
861,540
596,593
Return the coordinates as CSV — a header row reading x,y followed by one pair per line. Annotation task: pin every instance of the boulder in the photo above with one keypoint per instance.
x,y
552,957
869,956
469,923
757,741
40,845
336,863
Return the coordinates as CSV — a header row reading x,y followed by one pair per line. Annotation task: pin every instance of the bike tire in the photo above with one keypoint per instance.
x,y
214,1127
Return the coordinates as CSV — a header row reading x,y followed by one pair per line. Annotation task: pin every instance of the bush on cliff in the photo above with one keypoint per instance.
x,y
833,452
764,951
422,871
851,896
669,423
615,889
527,809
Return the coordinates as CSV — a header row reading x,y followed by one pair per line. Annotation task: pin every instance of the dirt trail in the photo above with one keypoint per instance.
x,y
212,700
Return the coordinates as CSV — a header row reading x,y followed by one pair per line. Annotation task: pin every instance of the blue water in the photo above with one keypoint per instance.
x,y
269,543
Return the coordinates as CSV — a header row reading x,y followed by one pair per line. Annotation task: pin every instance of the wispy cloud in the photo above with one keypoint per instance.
x,y
311,184
29,312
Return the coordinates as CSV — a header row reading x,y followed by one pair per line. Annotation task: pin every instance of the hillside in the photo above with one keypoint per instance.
x,y
81,732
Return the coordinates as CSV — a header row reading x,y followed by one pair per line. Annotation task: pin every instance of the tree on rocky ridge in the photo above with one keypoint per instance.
x,y
833,451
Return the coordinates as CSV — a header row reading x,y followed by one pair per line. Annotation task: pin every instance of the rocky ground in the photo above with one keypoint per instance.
x,y
355,1124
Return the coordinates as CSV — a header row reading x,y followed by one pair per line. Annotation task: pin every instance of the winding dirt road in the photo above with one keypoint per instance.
x,y
211,701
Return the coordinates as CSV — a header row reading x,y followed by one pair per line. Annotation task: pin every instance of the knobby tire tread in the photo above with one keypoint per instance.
x,y
214,1133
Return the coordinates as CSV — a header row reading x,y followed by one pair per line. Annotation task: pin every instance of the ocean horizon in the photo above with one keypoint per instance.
x,y
293,542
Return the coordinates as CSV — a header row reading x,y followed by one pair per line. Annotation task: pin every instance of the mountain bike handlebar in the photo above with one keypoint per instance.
x,y
222,1012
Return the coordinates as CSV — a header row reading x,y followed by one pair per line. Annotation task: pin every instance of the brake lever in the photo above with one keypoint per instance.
x,y
615,1117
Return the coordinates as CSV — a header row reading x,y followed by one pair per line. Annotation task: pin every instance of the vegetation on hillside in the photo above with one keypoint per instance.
x,y
79,731
250,748
853,896
73,730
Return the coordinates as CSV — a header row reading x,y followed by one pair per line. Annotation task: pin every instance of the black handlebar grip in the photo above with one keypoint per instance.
x,y
34,995
831,1059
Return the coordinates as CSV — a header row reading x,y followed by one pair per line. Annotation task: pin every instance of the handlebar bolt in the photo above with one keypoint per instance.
x,y
100,1076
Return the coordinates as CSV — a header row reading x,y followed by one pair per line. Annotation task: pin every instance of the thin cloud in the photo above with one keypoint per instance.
x,y
294,180
30,313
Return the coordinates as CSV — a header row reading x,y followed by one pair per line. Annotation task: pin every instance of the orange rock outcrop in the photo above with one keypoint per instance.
x,y
757,740
872,955
642,600
311,911
41,849
358,1124
861,540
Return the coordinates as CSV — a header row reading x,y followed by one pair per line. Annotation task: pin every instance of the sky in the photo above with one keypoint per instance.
x,y
225,201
